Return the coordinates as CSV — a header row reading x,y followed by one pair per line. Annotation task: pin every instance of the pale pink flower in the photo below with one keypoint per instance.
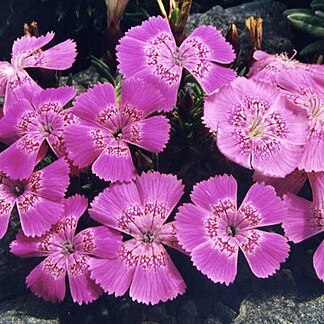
x,y
107,125
39,198
254,128
150,52
269,67
213,230
140,209
305,93
68,254
15,83
306,218
30,126
291,183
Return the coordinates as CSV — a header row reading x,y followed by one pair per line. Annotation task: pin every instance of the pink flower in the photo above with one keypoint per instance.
x,y
139,209
67,253
150,52
269,67
292,182
32,124
306,93
213,230
306,219
254,128
39,198
107,125
15,82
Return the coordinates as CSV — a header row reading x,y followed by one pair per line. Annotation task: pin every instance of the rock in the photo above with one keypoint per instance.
x,y
188,313
28,309
299,305
277,33
13,270
212,319
82,80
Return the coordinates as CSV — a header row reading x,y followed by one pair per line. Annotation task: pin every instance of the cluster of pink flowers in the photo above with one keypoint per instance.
x,y
271,122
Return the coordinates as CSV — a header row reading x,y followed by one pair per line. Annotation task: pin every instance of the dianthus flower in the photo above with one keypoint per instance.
x,y
106,126
291,183
139,209
254,128
306,218
268,67
32,124
67,253
306,93
39,198
15,82
150,52
213,230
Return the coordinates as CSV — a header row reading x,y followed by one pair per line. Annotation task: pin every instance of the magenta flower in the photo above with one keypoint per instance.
x,y
213,230
15,82
32,124
150,52
292,182
254,128
306,219
306,93
269,67
67,253
140,209
106,126
39,198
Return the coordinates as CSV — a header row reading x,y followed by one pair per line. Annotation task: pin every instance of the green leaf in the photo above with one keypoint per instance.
x,y
309,23
317,4
298,11
313,48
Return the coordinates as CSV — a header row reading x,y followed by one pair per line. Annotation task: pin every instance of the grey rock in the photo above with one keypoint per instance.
x,y
81,80
13,270
212,319
290,306
277,33
28,310
188,313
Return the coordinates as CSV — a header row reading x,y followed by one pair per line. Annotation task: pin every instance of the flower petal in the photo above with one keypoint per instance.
x,y
18,160
58,57
263,251
118,207
37,214
45,245
100,241
218,263
216,191
156,278
319,261
261,207
303,220
83,289
208,43
47,280
189,222
151,134
159,195
115,163
139,99
6,204
50,182
115,275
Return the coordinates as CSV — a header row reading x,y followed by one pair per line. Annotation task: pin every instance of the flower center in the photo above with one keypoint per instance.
x,y
148,237
46,128
231,230
68,247
256,128
177,57
118,134
17,189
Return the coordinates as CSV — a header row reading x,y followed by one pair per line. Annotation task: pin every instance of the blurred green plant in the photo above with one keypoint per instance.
x,y
310,21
